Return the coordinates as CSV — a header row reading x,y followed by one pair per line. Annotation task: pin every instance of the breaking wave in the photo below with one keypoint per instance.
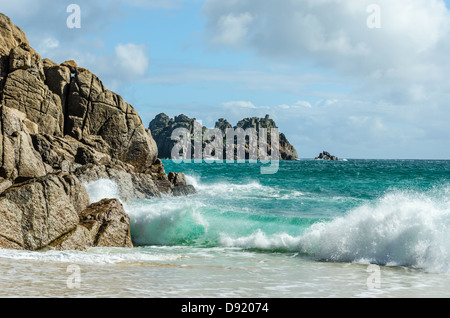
x,y
401,228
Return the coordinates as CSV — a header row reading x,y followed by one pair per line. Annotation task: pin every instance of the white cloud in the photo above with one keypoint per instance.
x,y
47,45
239,104
352,129
296,105
334,35
132,59
395,79
302,103
155,4
232,29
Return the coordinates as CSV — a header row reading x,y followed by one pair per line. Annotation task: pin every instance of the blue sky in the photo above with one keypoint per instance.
x,y
330,82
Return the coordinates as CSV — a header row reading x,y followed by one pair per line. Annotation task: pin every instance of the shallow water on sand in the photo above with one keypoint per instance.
x,y
179,272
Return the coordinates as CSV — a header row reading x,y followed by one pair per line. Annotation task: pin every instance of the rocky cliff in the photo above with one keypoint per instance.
x,y
163,126
60,127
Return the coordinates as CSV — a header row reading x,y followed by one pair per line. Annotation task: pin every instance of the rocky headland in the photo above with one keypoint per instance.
x,y
60,128
162,127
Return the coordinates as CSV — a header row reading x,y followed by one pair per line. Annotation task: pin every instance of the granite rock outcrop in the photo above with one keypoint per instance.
x,y
59,129
162,127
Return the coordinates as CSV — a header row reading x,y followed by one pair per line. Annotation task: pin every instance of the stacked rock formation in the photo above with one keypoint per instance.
x,y
163,126
60,127
326,156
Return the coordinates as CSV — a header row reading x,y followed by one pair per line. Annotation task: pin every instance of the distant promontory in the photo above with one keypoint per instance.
x,y
162,127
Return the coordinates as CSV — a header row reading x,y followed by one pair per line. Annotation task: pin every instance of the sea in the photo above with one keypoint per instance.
x,y
313,229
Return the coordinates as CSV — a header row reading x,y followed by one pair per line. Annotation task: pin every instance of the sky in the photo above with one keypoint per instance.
x,y
358,78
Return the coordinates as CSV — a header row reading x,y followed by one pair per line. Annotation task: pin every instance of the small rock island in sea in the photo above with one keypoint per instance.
x,y
326,156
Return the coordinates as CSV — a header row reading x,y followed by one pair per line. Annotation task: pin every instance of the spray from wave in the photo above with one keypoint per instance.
x,y
233,191
101,189
400,229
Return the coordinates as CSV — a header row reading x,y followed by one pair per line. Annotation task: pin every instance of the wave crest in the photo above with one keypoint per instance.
x,y
400,229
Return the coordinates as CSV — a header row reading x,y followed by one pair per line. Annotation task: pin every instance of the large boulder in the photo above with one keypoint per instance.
x,y
53,212
37,213
68,100
108,224
180,186
23,81
58,78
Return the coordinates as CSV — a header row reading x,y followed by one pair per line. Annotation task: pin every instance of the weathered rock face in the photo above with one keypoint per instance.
x,y
163,126
11,36
37,213
23,57
25,92
23,77
287,151
19,160
52,212
102,224
223,125
179,182
107,223
68,100
60,127
93,110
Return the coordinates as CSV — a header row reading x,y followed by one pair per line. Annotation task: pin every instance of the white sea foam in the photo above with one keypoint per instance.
x,y
260,240
400,229
93,256
225,187
251,189
102,189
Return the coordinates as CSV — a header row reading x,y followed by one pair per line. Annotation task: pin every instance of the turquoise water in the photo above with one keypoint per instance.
x,y
311,230
382,212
